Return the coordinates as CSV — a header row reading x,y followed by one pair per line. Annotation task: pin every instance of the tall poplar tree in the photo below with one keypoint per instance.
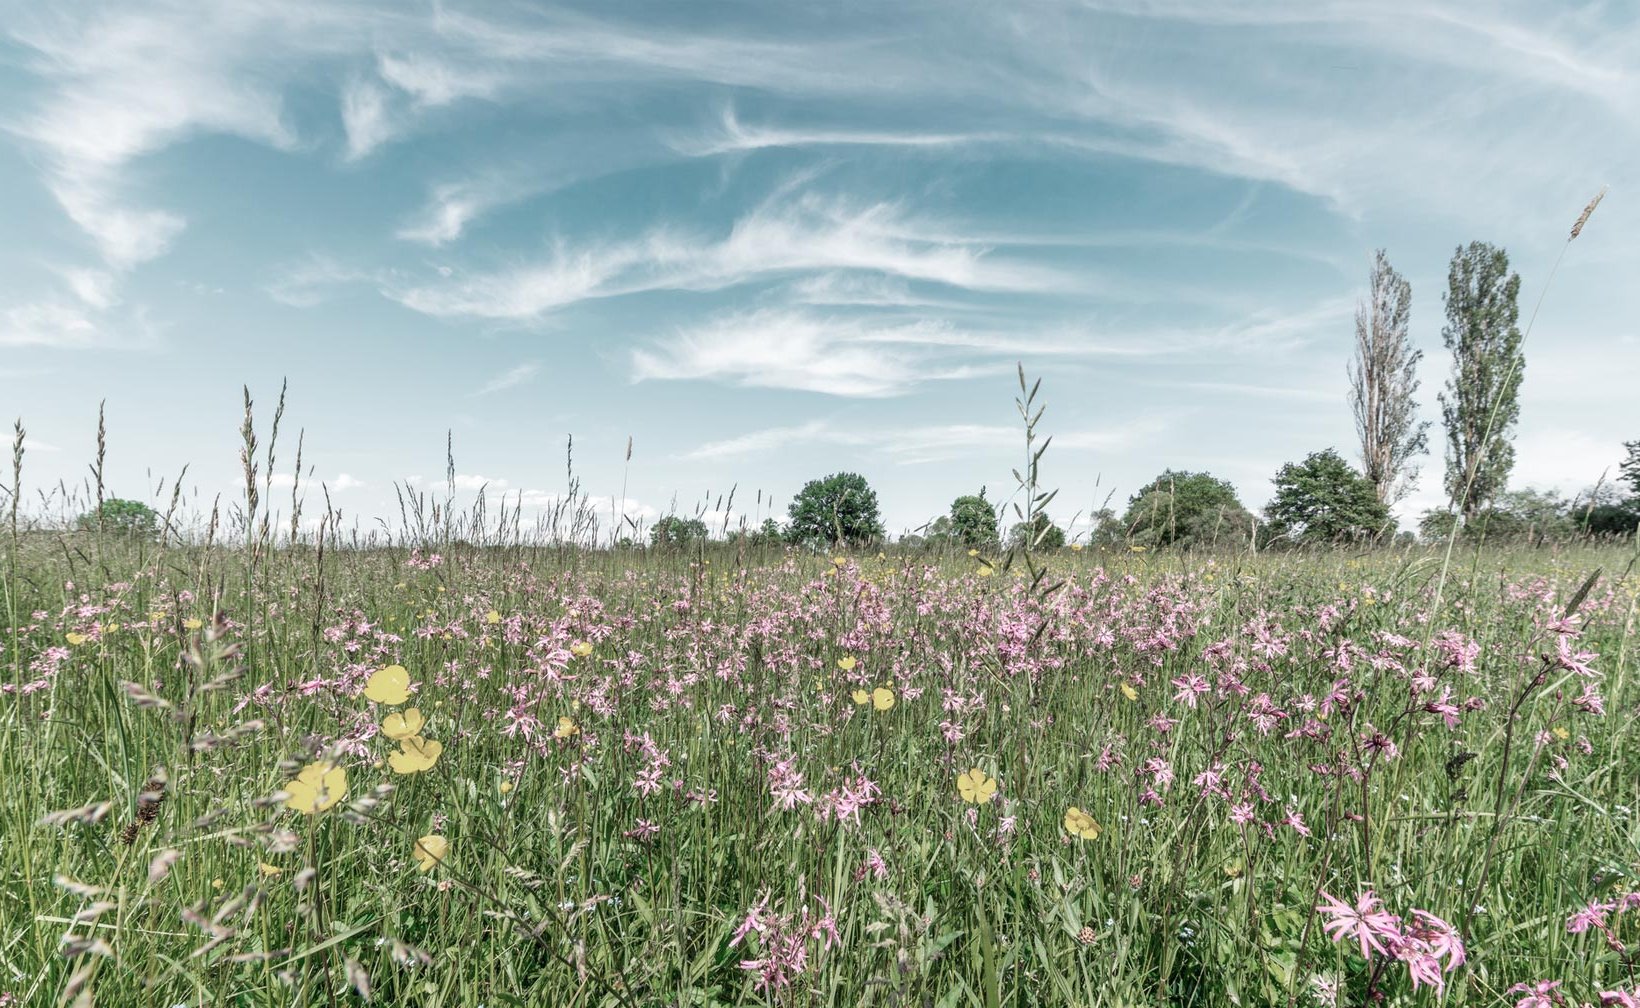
x,y
1482,398
1383,379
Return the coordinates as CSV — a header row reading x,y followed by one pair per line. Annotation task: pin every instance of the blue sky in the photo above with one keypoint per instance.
x,y
769,241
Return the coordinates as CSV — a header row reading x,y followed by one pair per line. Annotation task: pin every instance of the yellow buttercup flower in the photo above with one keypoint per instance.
x,y
838,561
400,726
492,617
415,755
1079,824
268,870
975,787
430,850
193,623
861,697
882,698
1561,733
317,787
847,663
973,552
390,685
1076,547
567,728
75,639
580,649
505,786
1129,692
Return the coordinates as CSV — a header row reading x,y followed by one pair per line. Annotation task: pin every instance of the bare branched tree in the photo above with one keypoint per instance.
x,y
1383,379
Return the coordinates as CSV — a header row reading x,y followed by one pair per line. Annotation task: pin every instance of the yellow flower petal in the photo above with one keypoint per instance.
x,y
492,617
976,787
268,870
566,728
861,697
1129,692
580,649
430,850
399,726
75,639
317,787
847,663
415,755
390,685
1079,824
882,698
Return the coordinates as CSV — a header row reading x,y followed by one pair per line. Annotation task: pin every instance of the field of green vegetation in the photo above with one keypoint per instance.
x,y
710,775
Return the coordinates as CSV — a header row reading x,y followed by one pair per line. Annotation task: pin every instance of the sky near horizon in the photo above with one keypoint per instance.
x,y
770,241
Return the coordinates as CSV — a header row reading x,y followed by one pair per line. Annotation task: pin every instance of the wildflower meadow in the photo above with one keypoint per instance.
x,y
486,773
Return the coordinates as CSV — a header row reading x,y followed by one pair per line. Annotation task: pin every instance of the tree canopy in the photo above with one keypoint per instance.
x,y
1186,509
1325,500
840,509
124,516
973,521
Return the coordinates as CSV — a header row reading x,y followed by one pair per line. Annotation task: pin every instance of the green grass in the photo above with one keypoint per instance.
x,y
728,662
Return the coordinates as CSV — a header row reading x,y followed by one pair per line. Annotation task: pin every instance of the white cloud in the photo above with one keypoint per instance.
x,y
510,378
793,350
68,325
123,83
732,136
804,234
450,208
345,482
313,280
365,117
93,286
433,82
920,444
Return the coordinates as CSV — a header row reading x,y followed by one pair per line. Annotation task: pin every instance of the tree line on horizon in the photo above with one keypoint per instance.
x,y
1323,499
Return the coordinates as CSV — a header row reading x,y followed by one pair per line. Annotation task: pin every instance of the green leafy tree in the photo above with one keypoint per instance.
x,y
973,520
676,531
840,509
1186,509
1038,534
1324,500
1630,467
1482,398
127,517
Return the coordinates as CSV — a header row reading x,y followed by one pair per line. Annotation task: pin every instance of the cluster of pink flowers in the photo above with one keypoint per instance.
x,y
1598,914
1546,994
1428,946
783,941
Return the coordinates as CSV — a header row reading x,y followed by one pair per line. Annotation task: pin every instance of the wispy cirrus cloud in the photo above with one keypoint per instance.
x,y
511,378
850,357
918,444
802,234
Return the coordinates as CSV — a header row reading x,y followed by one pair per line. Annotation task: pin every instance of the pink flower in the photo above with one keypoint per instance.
x,y
1593,915
1366,922
1541,994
